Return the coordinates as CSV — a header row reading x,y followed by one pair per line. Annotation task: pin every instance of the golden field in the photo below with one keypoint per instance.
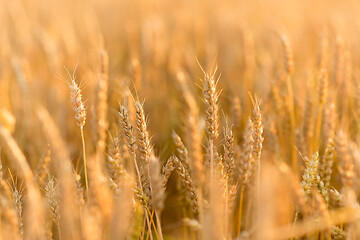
x,y
154,119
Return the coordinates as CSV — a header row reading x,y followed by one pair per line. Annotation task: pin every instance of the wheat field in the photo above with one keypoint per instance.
x,y
183,119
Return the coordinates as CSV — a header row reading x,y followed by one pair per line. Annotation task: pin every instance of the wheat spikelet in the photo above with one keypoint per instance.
x,y
187,186
78,104
115,168
167,169
247,162
309,177
143,140
144,146
183,155
228,151
211,97
52,197
128,130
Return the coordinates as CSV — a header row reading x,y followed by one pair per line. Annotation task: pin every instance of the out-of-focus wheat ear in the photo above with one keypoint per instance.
x,y
338,233
188,189
329,121
308,131
182,151
124,215
114,161
324,51
10,227
34,212
194,146
323,86
69,210
80,196
157,191
52,196
101,104
115,151
297,191
42,169
339,60
167,169
100,193
236,113
336,199
309,177
290,100
80,115
228,160
116,171
287,54
193,133
18,160
257,136
270,210
358,102
322,211
18,203
347,75
327,163
247,162
129,104
98,209
346,166
323,92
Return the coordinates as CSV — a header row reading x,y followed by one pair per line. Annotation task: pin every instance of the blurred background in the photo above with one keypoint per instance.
x,y
149,42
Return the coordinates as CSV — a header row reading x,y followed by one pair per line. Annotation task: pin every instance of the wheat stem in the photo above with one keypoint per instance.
x,y
84,157
240,211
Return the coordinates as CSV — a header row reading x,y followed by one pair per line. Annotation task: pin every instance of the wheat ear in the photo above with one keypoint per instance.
x,y
80,115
